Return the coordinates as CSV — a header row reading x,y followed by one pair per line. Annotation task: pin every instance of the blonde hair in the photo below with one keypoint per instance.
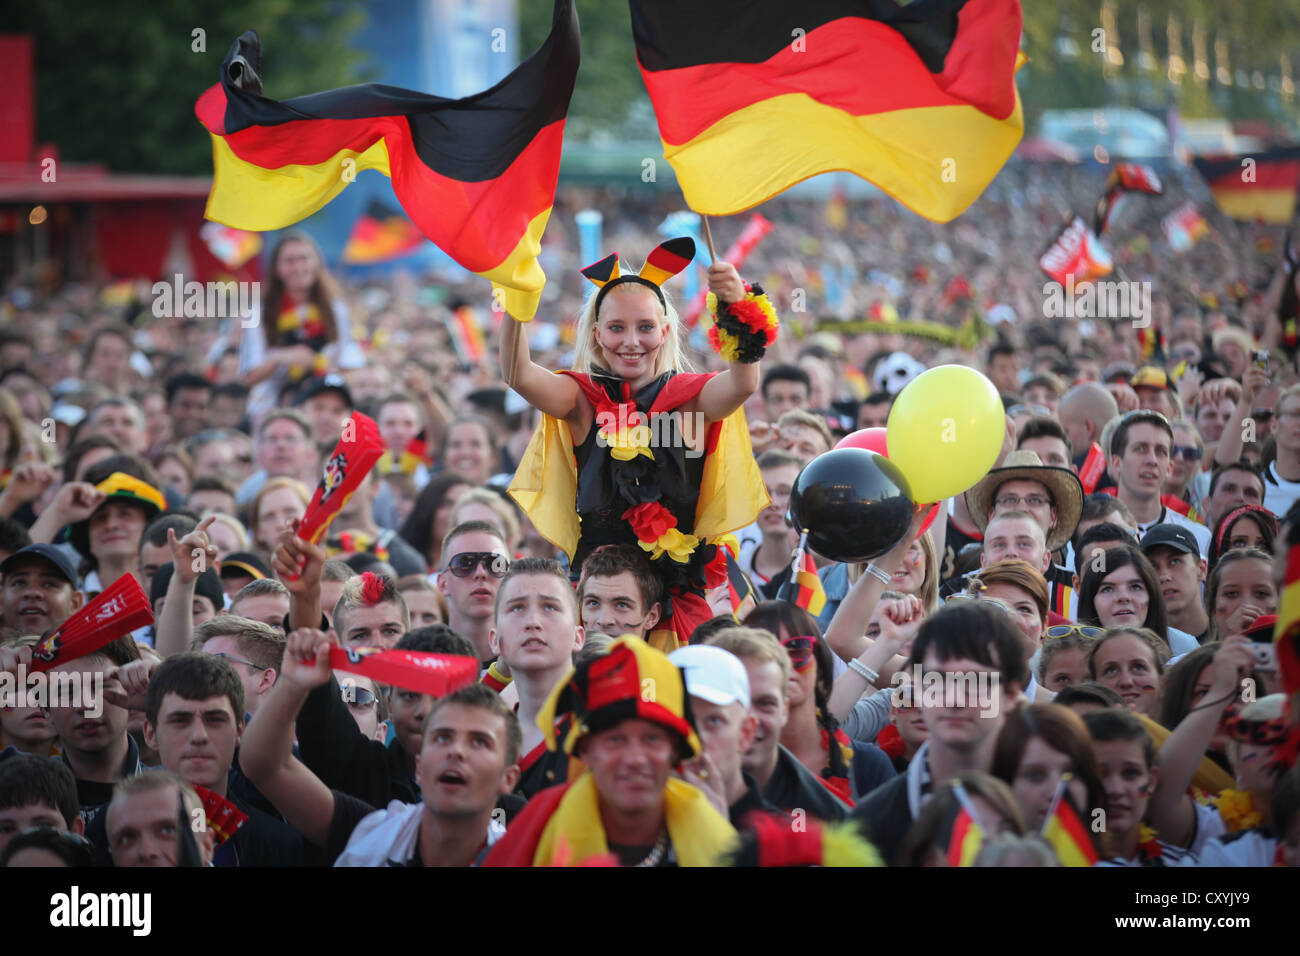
x,y
497,505
587,355
929,593
754,644
234,524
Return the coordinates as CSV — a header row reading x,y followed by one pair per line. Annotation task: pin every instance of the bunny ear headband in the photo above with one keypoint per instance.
x,y
665,261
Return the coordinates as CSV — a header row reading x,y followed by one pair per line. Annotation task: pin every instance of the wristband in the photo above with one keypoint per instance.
x,y
880,574
864,671
495,679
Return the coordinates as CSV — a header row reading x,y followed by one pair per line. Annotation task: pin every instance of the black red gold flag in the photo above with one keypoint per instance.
x,y
477,175
380,234
753,97
1257,186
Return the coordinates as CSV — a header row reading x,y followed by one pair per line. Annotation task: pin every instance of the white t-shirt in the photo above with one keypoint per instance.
x,y
1279,494
1198,530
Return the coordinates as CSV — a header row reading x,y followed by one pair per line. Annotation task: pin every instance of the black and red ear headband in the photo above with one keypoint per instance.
x,y
665,261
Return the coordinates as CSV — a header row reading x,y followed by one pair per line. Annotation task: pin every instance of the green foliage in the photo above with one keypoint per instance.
x,y
117,81
609,99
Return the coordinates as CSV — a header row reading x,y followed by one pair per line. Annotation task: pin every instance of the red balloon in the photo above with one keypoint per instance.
x,y
872,439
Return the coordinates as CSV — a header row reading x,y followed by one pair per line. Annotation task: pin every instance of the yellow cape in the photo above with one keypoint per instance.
x,y
545,485
574,833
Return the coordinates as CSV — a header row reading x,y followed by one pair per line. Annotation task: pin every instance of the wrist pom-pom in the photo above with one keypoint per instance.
x,y
743,330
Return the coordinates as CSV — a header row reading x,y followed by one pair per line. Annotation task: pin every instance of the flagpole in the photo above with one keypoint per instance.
x,y
787,589
510,340
1056,802
708,239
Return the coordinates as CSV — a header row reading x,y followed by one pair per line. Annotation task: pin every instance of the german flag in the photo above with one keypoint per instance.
x,y
1065,832
753,97
809,593
739,589
476,175
380,234
964,834
1263,189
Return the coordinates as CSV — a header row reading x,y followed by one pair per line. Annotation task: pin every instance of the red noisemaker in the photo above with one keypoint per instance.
x,y
434,674
117,611
347,466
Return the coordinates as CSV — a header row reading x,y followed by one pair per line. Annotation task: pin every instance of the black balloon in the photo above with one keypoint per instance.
x,y
854,504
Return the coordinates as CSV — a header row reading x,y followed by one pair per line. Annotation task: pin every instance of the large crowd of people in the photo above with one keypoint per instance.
x,y
649,693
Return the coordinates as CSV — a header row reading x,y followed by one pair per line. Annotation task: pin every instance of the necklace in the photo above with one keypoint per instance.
x,y
656,854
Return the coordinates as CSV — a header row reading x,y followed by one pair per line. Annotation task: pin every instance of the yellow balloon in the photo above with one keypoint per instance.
x,y
945,431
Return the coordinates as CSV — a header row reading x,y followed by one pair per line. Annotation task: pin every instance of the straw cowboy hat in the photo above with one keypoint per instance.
x,y
1061,484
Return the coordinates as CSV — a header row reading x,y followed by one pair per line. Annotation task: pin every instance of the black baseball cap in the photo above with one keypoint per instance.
x,y
244,564
207,585
1170,535
47,552
325,383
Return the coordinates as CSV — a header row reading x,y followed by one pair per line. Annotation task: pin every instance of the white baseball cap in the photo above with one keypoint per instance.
x,y
713,674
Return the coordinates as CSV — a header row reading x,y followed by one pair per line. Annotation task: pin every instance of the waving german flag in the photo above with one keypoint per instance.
x,y
1258,186
476,175
753,97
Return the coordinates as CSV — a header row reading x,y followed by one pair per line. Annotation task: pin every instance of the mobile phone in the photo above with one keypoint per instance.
x,y
1260,359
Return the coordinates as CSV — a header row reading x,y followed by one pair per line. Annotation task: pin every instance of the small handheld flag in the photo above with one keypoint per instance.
x,y
223,818
1076,256
358,450
965,835
1065,831
120,609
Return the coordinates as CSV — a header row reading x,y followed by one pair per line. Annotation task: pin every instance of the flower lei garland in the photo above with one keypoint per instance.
x,y
1149,847
1236,809
838,783
623,430
742,331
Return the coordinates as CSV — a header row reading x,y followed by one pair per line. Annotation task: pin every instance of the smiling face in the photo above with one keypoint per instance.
x,y
630,332
630,763
469,452
1122,598
767,694
37,597
1127,665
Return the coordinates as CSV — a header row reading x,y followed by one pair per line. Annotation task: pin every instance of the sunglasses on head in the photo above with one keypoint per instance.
x,y
800,649
1087,631
462,565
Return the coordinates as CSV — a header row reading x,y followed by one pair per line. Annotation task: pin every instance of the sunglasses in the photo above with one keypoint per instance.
x,y
241,660
800,650
462,565
1188,452
359,698
1087,631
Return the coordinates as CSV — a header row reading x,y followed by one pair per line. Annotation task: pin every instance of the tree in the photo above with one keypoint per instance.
x,y
116,82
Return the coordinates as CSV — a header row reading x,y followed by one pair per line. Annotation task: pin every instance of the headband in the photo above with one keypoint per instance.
x,y
665,261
